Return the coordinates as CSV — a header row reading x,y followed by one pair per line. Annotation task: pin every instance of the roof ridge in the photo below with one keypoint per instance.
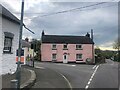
x,y
66,35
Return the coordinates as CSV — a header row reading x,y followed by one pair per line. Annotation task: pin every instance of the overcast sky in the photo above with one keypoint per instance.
x,y
102,18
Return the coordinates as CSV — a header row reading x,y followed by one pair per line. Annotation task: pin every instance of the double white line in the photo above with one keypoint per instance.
x,y
91,78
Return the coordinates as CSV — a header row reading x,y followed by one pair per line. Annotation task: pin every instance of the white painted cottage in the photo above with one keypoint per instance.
x,y
9,38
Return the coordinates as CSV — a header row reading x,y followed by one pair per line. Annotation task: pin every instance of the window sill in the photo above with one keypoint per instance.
x,y
7,53
54,49
79,49
65,49
79,60
54,60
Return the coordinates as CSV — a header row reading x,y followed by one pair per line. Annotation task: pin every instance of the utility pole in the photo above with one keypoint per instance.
x,y
34,42
92,46
18,72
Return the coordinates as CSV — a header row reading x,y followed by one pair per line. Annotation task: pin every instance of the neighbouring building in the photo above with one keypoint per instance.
x,y
9,36
63,48
27,52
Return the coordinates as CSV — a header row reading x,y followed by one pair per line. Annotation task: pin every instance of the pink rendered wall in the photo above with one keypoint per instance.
x,y
46,52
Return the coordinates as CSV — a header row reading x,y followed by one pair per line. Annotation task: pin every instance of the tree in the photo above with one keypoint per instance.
x,y
36,44
116,44
98,51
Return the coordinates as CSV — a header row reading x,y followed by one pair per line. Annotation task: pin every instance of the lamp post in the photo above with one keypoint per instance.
x,y
18,72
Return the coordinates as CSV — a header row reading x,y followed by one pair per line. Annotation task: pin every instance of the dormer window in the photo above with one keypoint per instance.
x,y
54,47
78,47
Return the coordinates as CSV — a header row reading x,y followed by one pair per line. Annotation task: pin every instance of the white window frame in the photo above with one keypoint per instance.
x,y
7,45
64,47
54,58
79,57
77,46
54,47
8,41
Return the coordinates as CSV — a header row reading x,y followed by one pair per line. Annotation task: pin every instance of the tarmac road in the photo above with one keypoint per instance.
x,y
79,75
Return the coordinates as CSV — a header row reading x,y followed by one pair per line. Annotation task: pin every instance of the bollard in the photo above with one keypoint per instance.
x,y
14,83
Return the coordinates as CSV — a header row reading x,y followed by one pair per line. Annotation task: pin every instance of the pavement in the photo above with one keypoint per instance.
x,y
43,78
27,78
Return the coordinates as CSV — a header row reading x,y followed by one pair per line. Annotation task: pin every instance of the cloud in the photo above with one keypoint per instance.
x,y
103,19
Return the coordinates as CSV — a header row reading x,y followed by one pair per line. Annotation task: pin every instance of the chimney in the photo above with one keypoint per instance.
x,y
43,33
92,34
88,35
26,39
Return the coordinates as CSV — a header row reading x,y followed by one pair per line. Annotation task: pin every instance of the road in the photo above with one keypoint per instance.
x,y
86,76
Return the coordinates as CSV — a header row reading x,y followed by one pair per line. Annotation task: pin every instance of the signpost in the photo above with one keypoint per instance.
x,y
18,72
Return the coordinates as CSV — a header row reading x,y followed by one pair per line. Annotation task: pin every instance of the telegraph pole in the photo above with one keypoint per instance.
x,y
92,46
18,72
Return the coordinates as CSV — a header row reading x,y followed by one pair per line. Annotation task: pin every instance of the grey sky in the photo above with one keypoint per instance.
x,y
103,19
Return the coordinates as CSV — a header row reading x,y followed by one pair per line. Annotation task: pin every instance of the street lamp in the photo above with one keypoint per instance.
x,y
18,72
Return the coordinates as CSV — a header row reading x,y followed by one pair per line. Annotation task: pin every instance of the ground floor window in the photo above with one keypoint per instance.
x,y
78,56
8,42
54,56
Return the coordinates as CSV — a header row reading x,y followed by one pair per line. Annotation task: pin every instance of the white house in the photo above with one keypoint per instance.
x,y
9,39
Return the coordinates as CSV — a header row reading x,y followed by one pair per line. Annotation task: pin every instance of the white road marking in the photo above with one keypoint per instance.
x,y
91,78
73,65
87,87
66,65
89,82
39,67
94,67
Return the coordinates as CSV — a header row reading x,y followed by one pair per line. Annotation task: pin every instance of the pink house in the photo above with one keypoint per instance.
x,y
61,48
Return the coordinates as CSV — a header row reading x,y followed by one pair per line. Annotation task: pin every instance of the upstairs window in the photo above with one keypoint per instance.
x,y
78,56
8,42
65,47
78,47
54,47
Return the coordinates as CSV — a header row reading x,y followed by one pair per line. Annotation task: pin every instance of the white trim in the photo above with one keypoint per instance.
x,y
65,60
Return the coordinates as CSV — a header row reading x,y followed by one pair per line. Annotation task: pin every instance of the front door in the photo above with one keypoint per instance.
x,y
65,58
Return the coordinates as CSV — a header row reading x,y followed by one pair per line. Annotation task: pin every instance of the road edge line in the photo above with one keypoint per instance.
x,y
66,80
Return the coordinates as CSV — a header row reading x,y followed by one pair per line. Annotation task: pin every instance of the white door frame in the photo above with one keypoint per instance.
x,y
65,58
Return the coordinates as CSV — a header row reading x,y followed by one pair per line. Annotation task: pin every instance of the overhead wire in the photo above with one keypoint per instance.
x,y
70,10
75,9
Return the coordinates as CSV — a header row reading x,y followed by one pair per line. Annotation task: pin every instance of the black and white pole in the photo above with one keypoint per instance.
x,y
18,72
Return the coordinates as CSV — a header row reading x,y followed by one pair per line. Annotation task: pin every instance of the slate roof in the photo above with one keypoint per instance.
x,y
8,15
60,39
